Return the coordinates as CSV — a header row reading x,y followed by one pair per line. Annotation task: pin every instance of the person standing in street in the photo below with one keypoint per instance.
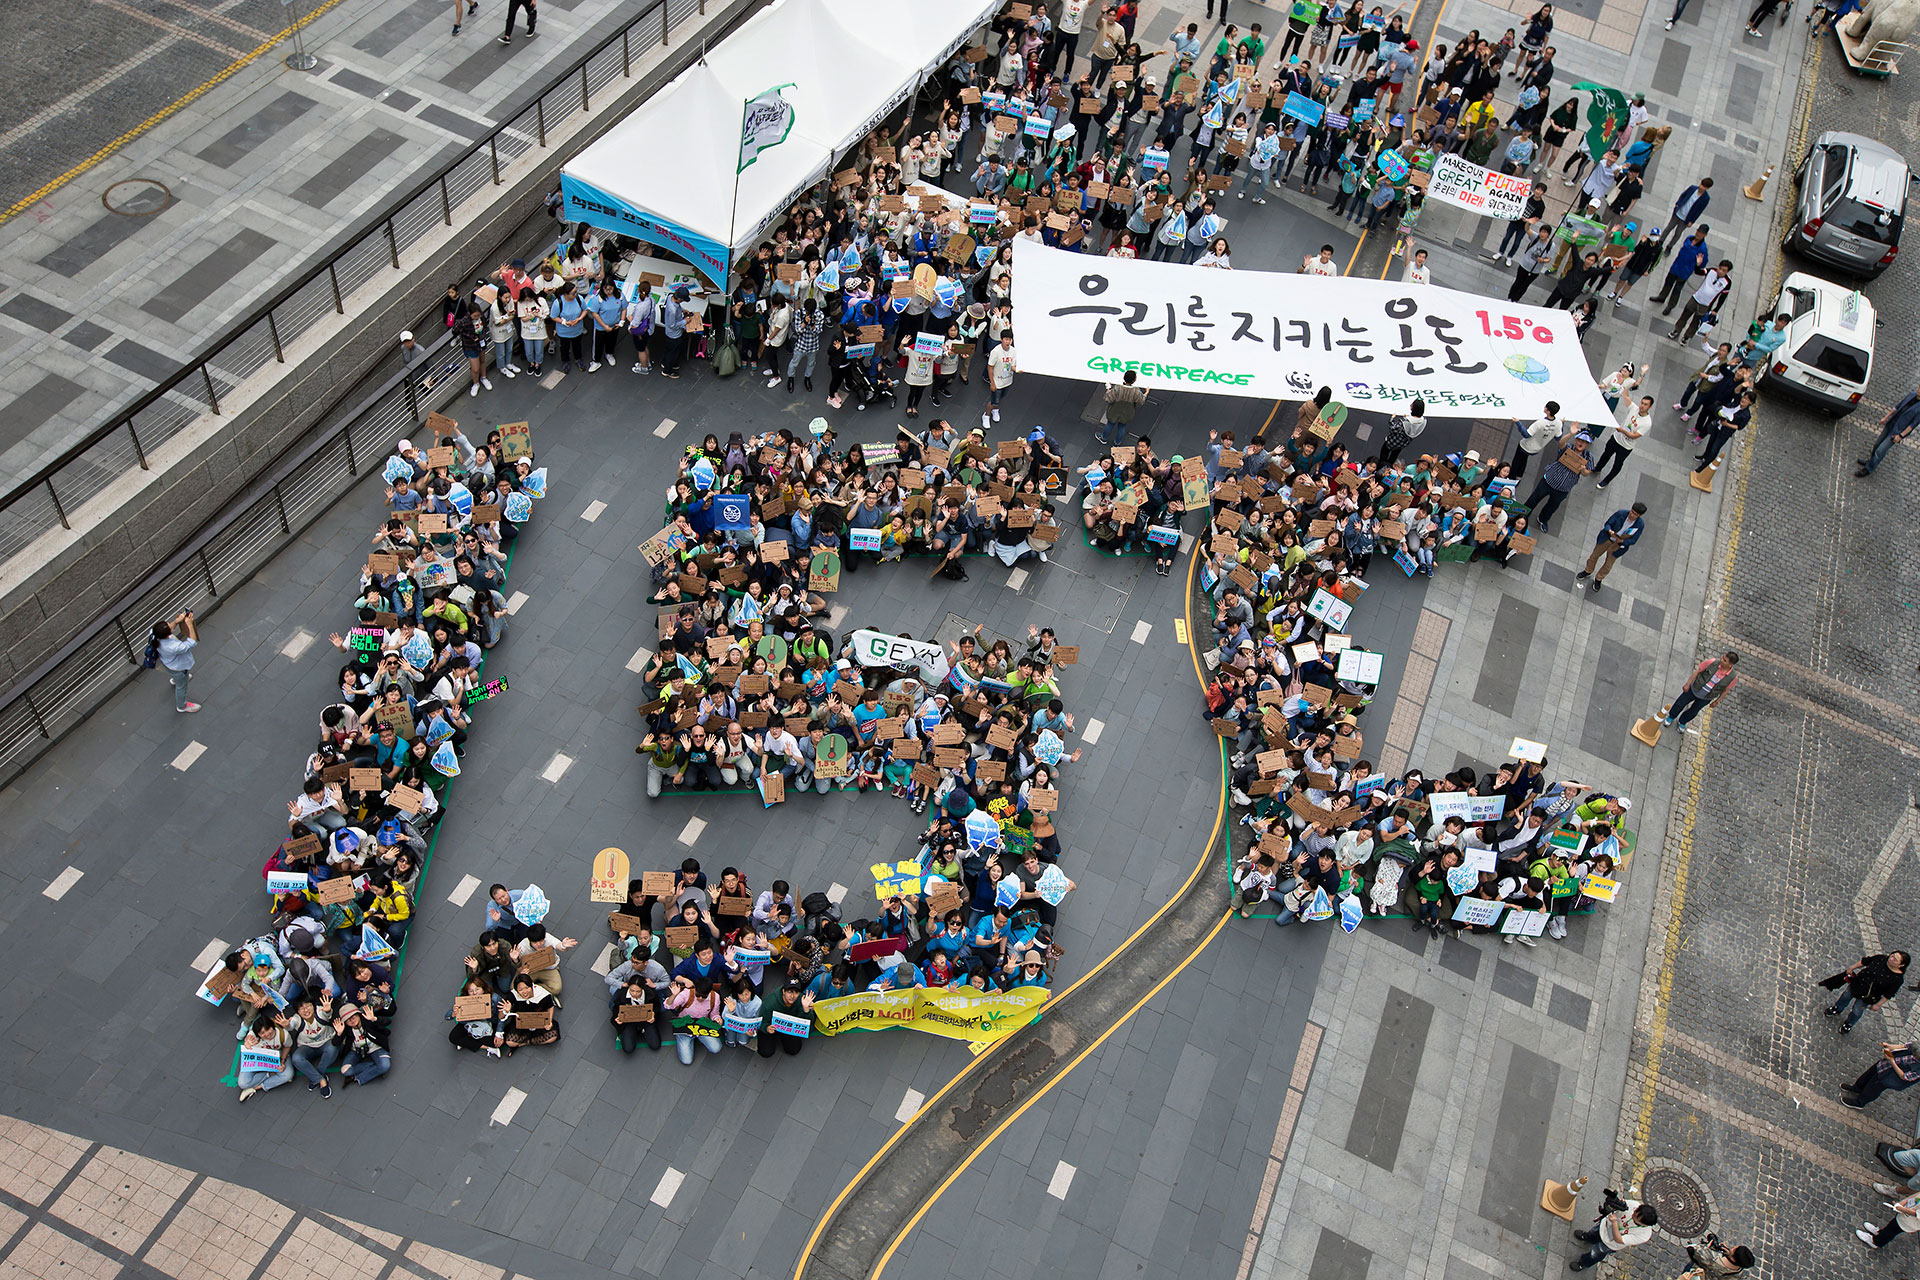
x,y
1902,1163
1632,424
1689,260
1558,477
1617,536
1531,261
514,7
1709,683
1905,1220
1630,1224
1896,426
1122,399
1898,1068
1713,1260
1868,984
173,644
1721,427
472,7
1705,300
1534,437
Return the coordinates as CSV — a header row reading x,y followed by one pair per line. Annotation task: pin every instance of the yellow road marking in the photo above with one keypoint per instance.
x,y
1219,819
173,108
1180,630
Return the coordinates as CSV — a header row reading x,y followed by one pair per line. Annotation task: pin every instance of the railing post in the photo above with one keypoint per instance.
x,y
493,145
540,117
413,396
338,306
213,397
626,54
446,205
207,569
353,466
586,95
138,452
280,500
125,640
666,22
57,508
38,719
273,328
393,245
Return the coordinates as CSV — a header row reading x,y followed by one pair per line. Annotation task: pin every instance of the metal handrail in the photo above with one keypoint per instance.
x,y
35,506
352,437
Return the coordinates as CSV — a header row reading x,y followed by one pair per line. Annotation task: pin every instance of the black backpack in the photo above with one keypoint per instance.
x,y
151,658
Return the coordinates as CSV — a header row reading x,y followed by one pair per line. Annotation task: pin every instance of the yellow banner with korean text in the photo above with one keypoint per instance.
x,y
979,1016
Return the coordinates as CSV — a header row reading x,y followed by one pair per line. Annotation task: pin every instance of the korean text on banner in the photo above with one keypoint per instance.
x,y
1379,344
979,1016
1459,181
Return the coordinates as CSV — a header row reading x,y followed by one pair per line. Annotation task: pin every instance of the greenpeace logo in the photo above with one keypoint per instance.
x,y
1184,373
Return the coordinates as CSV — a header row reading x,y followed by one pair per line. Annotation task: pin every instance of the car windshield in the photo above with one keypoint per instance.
x,y
1835,359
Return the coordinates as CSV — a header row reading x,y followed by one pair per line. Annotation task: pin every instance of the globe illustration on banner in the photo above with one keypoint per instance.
x,y
1526,368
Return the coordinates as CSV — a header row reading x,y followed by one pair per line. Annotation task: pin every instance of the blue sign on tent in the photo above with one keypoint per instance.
x,y
730,512
1303,108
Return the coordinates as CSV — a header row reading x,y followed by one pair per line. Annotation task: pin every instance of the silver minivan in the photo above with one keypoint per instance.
x,y
1852,201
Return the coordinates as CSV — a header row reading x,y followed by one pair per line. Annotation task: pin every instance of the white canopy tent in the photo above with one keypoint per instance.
x,y
666,174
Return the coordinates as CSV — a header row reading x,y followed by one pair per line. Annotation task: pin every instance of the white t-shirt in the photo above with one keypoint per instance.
x,y
1315,267
1000,367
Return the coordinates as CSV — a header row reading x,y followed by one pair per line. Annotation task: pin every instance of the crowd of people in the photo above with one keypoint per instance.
x,y
1291,534
316,992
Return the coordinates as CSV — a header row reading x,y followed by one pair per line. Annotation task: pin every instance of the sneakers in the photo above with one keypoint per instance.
x,y
487,383
1581,576
504,39
510,371
1239,195
250,1090
1557,927
474,390
771,382
638,367
1596,584
1600,484
1863,1236
1669,24
1258,200
191,706
986,420
1241,798
996,415
594,367
326,1090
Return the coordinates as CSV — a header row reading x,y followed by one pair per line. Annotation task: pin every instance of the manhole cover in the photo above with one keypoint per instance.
x,y
137,197
1686,1208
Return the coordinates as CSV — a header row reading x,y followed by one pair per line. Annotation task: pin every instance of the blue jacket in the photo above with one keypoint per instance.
x,y
1625,526
1692,203
1690,259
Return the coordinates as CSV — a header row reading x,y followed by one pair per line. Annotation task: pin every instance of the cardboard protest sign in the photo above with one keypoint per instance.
x,y
681,937
406,799
823,572
473,1008
516,440
631,1013
534,1020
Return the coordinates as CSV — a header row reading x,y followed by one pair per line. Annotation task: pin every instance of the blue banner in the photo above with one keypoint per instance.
x,y
1303,108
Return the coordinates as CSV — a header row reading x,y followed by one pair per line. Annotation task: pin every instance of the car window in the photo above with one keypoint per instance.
x,y
1797,302
1865,220
1833,173
1835,359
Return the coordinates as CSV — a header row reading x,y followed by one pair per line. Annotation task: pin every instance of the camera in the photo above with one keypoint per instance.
x,y
1610,1202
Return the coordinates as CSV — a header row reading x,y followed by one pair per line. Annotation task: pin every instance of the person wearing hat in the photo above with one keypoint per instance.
x,y
793,1004
1638,263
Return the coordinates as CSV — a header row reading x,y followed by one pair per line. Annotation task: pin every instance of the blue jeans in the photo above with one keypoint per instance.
x,y
1592,1257
683,1042
1685,708
1848,998
179,679
1909,1161
264,1079
1880,447
371,1067
315,1063
536,350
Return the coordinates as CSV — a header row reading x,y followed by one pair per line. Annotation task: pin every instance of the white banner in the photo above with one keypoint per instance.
x,y
1457,180
1377,343
878,649
1458,804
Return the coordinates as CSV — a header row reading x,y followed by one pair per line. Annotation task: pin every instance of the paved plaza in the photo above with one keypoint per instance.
x,y
1298,1103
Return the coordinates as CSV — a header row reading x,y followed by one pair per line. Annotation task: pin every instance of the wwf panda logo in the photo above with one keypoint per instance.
x,y
1300,381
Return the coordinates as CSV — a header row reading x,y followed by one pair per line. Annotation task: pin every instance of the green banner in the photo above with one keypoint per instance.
x,y
1606,114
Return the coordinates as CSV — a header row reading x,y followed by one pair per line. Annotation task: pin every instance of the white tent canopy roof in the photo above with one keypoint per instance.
x,y
666,173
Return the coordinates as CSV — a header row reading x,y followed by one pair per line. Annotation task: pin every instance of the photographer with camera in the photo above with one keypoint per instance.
x,y
1714,1260
1622,1225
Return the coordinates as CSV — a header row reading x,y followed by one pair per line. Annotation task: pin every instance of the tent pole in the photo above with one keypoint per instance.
x,y
733,207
